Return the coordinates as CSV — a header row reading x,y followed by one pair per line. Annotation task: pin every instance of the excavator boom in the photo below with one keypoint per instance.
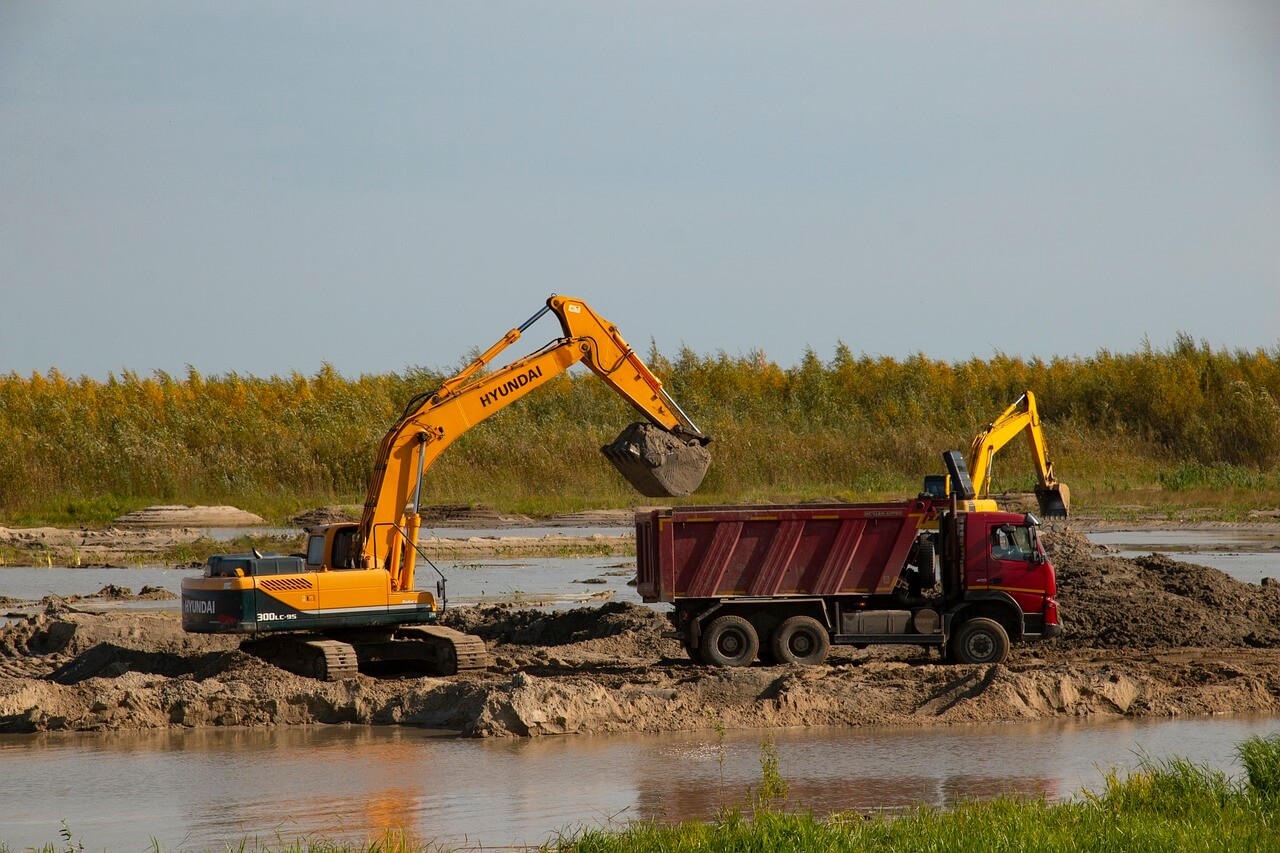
x,y
350,602
665,458
1022,417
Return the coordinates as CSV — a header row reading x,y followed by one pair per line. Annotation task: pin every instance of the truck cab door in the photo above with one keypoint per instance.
x,y
1015,565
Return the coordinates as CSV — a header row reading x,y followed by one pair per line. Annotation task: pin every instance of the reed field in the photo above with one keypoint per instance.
x,y
1186,428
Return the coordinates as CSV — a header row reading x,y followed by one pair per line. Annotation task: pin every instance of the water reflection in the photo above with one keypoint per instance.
x,y
207,788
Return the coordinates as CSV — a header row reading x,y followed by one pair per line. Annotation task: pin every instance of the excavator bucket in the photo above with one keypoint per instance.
x,y
658,463
1055,501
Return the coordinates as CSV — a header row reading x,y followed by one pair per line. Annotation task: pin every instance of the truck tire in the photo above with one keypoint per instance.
x,y
926,564
802,640
980,641
729,641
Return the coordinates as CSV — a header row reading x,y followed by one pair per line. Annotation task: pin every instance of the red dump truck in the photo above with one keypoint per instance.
x,y
783,583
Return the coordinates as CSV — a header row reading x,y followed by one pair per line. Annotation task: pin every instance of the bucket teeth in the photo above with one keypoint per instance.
x,y
657,463
1055,501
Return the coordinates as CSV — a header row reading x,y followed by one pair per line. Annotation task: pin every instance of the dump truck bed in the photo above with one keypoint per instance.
x,y
771,551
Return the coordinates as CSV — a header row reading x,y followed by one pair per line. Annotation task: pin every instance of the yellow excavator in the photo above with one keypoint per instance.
x,y
1022,417
350,601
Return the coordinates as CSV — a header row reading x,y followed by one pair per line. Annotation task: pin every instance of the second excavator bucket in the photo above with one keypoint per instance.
x,y
658,463
1055,501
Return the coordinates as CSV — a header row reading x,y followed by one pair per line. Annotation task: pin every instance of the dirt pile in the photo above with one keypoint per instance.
x,y
1155,602
114,592
1144,637
322,515
657,463
190,516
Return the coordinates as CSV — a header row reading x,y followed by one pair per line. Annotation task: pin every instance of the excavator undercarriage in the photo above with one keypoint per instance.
x,y
335,655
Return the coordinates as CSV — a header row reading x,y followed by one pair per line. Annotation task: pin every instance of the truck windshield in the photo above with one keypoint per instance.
x,y
1013,543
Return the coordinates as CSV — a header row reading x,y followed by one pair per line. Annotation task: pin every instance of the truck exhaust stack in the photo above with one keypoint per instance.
x,y
659,464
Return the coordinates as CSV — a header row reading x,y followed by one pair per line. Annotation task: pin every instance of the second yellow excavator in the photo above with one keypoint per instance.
x,y
1022,417
350,602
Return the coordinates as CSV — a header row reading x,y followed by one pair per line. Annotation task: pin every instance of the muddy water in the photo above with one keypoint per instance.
x,y
199,789
1246,555
533,581
553,581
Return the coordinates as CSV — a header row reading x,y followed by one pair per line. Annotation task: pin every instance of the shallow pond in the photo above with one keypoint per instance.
x,y
1246,555
201,789
533,581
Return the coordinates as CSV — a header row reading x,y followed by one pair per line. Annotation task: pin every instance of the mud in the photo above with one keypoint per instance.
x,y
322,515
114,592
1157,602
1145,637
657,463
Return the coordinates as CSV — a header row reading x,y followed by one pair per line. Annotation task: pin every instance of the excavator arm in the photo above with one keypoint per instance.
x,y
1021,417
431,422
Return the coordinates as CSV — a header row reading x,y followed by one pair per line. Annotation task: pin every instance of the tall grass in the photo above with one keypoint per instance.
x,y
1183,418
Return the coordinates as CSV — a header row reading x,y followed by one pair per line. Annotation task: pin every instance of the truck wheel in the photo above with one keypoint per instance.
x,y
729,641
980,641
926,564
802,640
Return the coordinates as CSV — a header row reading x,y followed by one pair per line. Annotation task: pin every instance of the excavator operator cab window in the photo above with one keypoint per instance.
x,y
1010,542
342,542
315,550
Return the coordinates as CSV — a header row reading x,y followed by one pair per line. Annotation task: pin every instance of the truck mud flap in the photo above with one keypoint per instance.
x,y
659,464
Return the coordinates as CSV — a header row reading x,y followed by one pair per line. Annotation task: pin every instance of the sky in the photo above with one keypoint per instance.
x,y
269,187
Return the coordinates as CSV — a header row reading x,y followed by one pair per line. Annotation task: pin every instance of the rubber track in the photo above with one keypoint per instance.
x,y
468,650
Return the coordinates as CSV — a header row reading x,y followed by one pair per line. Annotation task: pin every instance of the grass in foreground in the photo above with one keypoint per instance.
x,y
1160,806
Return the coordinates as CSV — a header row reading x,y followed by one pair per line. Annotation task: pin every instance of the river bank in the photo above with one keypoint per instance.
x,y
149,543
1146,637
202,533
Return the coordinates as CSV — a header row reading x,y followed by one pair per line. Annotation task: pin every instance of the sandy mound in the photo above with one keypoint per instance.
x,y
190,516
1146,637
